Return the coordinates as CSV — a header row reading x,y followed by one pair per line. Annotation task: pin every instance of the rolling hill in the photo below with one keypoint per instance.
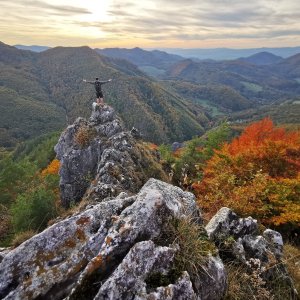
x,y
53,79
262,58
261,84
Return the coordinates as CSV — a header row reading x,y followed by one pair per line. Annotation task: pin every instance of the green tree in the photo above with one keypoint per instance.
x,y
33,209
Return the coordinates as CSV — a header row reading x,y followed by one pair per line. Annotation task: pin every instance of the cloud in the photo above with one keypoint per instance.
x,y
154,20
209,19
41,6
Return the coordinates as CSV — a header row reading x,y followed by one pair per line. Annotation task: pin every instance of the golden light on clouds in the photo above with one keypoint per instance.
x,y
151,23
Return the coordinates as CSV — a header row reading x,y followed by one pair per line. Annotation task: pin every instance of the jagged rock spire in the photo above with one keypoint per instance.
x,y
100,159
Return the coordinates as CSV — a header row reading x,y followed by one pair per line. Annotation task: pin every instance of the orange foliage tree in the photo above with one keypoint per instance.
x,y
256,174
52,168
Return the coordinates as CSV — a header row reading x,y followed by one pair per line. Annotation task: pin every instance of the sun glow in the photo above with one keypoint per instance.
x,y
89,25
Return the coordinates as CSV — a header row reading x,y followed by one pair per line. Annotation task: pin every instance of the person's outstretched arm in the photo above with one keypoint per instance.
x,y
102,82
84,80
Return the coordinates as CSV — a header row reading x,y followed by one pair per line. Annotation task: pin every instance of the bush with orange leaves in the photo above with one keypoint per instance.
x,y
52,168
256,174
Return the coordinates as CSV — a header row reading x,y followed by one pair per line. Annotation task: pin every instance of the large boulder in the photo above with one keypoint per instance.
x,y
108,251
100,159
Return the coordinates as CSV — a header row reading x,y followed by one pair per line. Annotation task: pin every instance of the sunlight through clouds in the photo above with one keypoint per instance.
x,y
166,23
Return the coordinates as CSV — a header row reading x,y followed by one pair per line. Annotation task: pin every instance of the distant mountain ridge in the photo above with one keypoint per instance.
x,y
142,57
197,53
229,54
33,48
262,58
153,62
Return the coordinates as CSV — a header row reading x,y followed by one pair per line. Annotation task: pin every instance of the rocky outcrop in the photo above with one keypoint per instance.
x,y
100,159
239,241
107,252
113,250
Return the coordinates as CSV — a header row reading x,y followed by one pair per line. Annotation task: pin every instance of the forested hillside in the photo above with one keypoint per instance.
x,y
259,83
53,80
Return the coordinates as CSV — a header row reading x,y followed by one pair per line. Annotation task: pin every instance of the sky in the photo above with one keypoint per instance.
x,y
151,23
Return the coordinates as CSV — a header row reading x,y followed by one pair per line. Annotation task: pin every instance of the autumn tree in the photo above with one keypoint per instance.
x,y
256,174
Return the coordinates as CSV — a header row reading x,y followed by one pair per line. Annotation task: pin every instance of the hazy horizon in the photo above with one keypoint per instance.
x,y
208,24
151,48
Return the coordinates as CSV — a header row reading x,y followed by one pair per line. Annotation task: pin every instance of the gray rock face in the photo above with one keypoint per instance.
x,y
238,240
107,252
129,278
49,263
213,274
240,236
226,223
101,152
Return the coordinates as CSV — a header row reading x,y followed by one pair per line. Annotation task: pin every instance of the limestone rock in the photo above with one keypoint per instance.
x,y
100,159
226,223
213,274
107,252
275,242
182,289
4,252
238,240
129,278
49,263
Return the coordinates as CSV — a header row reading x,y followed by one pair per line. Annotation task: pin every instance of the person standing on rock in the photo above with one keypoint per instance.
x,y
98,87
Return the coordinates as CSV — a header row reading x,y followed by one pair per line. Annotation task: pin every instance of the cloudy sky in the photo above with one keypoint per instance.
x,y
151,23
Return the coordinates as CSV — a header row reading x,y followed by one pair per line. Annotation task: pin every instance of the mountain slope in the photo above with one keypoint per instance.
x,y
289,67
222,98
55,76
23,117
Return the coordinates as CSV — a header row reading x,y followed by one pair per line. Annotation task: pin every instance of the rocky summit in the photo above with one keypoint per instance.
x,y
100,159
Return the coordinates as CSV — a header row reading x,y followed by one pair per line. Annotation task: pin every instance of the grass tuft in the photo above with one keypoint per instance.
x,y
192,242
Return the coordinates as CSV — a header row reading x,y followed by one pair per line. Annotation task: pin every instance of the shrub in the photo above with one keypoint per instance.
x,y
186,163
52,168
33,209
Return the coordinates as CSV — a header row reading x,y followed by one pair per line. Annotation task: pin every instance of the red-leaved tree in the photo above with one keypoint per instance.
x,y
256,174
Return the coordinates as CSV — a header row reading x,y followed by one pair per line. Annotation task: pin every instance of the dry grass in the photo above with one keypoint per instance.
x,y
84,135
20,238
74,209
291,257
245,284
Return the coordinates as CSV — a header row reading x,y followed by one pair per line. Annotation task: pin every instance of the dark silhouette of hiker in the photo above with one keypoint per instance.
x,y
98,84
